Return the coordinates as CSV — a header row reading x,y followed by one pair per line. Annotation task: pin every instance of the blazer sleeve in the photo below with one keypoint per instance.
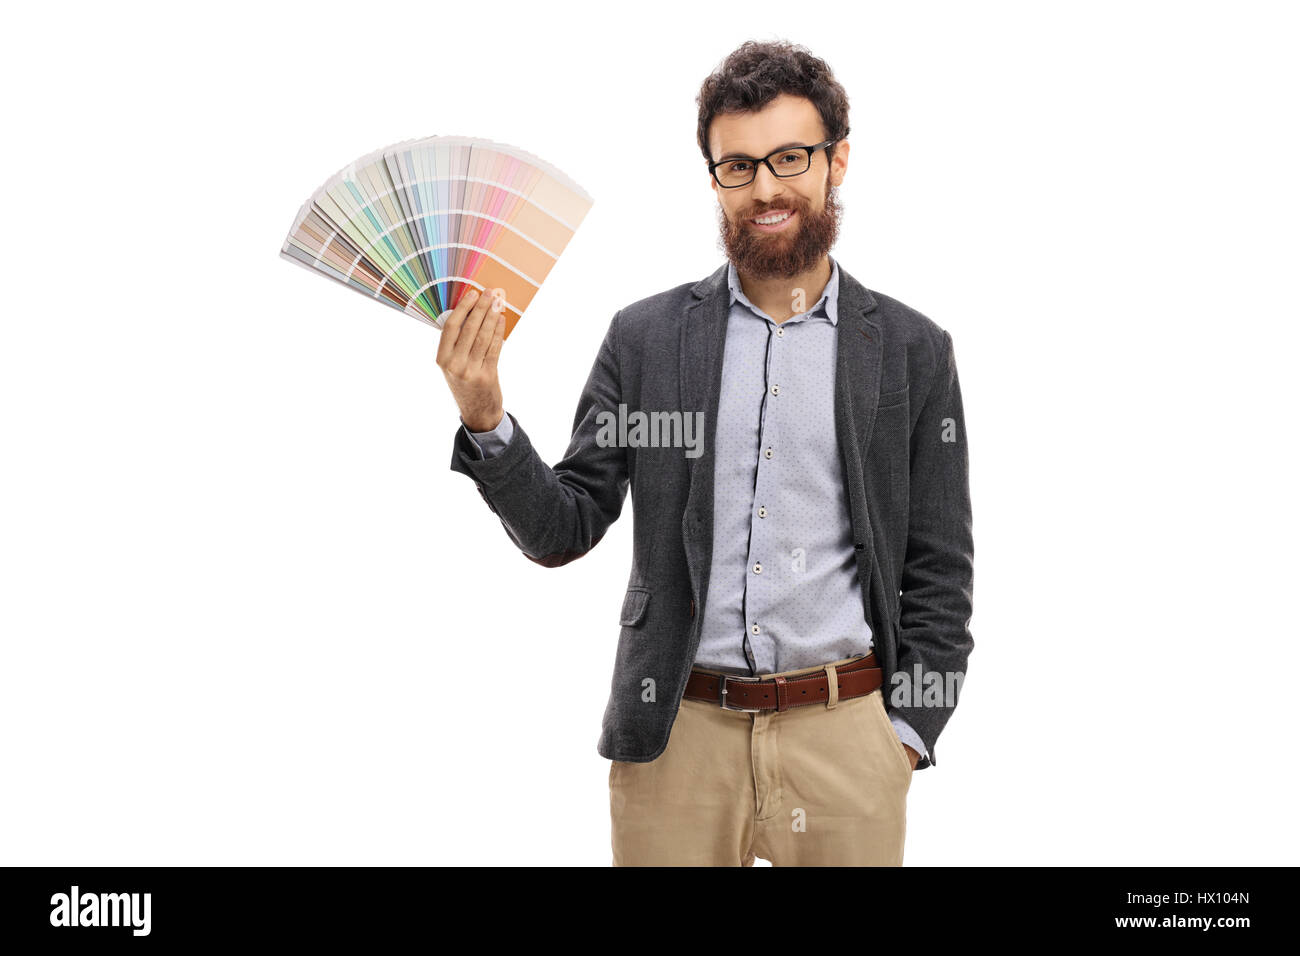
x,y
491,442
938,570
555,515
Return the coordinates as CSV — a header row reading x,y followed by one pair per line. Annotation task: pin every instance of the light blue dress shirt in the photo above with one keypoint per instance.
x,y
783,587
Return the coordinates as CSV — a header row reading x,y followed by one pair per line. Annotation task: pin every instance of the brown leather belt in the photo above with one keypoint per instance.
x,y
754,694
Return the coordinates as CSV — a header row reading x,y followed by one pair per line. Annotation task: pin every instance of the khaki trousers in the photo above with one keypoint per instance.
x,y
817,785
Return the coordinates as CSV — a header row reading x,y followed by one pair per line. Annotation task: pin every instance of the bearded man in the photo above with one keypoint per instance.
x,y
796,624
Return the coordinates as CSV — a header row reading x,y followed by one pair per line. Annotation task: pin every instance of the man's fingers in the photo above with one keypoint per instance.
x,y
451,328
469,329
487,330
494,350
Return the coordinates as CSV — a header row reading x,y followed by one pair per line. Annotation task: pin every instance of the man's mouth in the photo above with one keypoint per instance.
x,y
773,221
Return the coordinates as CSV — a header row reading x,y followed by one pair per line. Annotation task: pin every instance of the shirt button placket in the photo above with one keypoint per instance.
x,y
773,366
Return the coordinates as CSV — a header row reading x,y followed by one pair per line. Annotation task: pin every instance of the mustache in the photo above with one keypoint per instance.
x,y
796,205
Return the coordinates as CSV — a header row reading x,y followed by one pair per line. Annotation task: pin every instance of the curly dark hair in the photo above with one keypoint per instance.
x,y
756,73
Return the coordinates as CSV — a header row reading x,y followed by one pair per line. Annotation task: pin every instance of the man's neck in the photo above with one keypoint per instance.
x,y
777,297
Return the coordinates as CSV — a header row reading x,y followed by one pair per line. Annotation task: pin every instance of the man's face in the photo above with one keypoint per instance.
x,y
797,244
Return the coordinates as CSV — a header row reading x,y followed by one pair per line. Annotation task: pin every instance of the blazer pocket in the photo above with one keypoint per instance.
x,y
634,605
890,399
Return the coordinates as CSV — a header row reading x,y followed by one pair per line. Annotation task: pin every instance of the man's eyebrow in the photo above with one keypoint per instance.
x,y
727,156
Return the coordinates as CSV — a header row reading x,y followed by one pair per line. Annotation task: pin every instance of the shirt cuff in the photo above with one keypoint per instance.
x,y
492,443
907,735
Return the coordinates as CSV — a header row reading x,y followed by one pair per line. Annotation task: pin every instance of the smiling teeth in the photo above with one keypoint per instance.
x,y
772,220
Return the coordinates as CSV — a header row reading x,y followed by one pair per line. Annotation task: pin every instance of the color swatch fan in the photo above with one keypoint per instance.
x,y
418,224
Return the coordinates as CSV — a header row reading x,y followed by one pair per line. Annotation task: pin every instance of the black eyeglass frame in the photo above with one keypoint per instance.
x,y
767,161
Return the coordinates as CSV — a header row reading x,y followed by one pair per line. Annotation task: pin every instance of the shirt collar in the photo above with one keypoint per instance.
x,y
827,305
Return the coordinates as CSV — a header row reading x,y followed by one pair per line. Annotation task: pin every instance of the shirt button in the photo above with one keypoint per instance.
x,y
780,331
762,512
768,453
776,389
758,567
754,629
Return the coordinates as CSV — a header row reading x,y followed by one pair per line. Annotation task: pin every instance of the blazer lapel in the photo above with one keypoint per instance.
x,y
701,339
857,368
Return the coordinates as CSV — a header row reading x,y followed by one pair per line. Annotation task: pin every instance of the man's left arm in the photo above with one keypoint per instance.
x,y
938,570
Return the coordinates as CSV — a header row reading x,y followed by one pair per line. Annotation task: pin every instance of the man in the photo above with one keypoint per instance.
x,y
795,627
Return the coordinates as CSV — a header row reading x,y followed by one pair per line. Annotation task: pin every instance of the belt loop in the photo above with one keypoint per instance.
x,y
782,702
833,687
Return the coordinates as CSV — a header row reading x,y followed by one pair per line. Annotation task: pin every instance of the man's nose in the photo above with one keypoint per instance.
x,y
766,185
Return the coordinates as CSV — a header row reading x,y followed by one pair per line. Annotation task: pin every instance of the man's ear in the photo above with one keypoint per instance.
x,y
840,164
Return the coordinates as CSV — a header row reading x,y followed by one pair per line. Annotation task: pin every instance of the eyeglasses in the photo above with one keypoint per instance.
x,y
790,161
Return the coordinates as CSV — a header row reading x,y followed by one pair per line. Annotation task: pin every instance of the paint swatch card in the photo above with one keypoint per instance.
x,y
418,224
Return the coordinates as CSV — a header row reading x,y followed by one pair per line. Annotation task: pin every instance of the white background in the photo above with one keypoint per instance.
x,y
246,603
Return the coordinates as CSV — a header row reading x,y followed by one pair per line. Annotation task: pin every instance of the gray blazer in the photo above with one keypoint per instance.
x,y
902,440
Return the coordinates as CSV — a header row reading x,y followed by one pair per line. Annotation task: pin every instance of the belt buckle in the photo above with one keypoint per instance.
x,y
722,693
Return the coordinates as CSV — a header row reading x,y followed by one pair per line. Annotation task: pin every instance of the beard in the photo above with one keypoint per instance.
x,y
781,255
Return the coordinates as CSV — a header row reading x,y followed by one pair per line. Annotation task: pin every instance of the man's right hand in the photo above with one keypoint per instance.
x,y
467,354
